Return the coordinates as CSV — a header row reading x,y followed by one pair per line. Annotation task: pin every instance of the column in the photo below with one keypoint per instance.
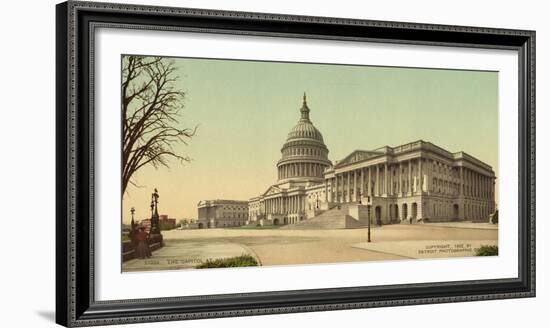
x,y
342,187
471,181
479,186
466,183
386,178
362,182
348,187
288,204
481,189
429,183
474,193
390,190
332,196
336,187
369,183
419,179
461,187
377,189
483,195
467,180
476,184
355,185
326,190
400,182
409,184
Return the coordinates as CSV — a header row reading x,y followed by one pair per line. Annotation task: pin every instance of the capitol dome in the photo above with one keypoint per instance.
x,y
304,154
304,129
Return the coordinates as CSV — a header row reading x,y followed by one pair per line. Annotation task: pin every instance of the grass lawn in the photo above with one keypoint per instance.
x,y
231,262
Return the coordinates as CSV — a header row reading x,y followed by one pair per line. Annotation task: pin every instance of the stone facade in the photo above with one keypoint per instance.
x,y
221,213
418,181
415,182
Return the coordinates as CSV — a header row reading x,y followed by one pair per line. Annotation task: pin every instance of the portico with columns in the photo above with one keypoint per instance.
x,y
418,181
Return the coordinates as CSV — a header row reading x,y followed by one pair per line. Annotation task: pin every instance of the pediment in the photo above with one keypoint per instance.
x,y
357,156
272,190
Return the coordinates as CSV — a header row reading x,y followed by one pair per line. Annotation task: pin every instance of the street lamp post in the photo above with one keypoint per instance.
x,y
368,215
155,228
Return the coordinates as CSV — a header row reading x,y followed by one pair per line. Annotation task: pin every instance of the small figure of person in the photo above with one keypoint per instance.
x,y
142,239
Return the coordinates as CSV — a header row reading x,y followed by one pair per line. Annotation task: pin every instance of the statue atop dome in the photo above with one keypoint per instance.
x,y
304,110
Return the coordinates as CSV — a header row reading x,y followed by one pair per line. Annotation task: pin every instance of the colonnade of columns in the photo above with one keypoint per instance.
x,y
300,170
285,205
475,211
403,178
476,185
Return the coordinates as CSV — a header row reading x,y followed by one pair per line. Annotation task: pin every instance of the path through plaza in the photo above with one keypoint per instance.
x,y
187,248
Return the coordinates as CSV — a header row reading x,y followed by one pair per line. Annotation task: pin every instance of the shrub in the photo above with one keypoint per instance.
x,y
487,250
231,262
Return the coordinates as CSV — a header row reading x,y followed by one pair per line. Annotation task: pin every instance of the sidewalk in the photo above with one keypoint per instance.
x,y
422,249
463,225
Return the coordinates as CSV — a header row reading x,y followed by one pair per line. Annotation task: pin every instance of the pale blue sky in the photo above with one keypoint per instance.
x,y
245,109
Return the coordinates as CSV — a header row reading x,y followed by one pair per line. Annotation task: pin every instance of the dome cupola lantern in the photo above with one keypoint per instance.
x,y
304,110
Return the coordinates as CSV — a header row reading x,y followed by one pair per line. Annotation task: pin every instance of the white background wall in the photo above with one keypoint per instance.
x,y
27,162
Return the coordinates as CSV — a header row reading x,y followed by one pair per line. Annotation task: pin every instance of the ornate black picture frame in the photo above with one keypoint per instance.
x,y
75,301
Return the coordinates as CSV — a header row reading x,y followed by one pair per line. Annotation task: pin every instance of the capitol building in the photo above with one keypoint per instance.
x,y
410,183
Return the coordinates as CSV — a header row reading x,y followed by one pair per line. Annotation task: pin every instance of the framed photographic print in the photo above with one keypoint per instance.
x,y
214,163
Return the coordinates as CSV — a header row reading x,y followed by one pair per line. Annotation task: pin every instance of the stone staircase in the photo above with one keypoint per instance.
x,y
334,218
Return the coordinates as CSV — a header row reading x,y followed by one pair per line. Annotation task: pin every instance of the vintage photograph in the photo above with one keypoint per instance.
x,y
238,163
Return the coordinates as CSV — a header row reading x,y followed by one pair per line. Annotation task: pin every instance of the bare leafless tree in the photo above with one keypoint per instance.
x,y
151,113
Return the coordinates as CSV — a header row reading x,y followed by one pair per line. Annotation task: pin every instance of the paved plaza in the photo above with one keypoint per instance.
x,y
188,248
